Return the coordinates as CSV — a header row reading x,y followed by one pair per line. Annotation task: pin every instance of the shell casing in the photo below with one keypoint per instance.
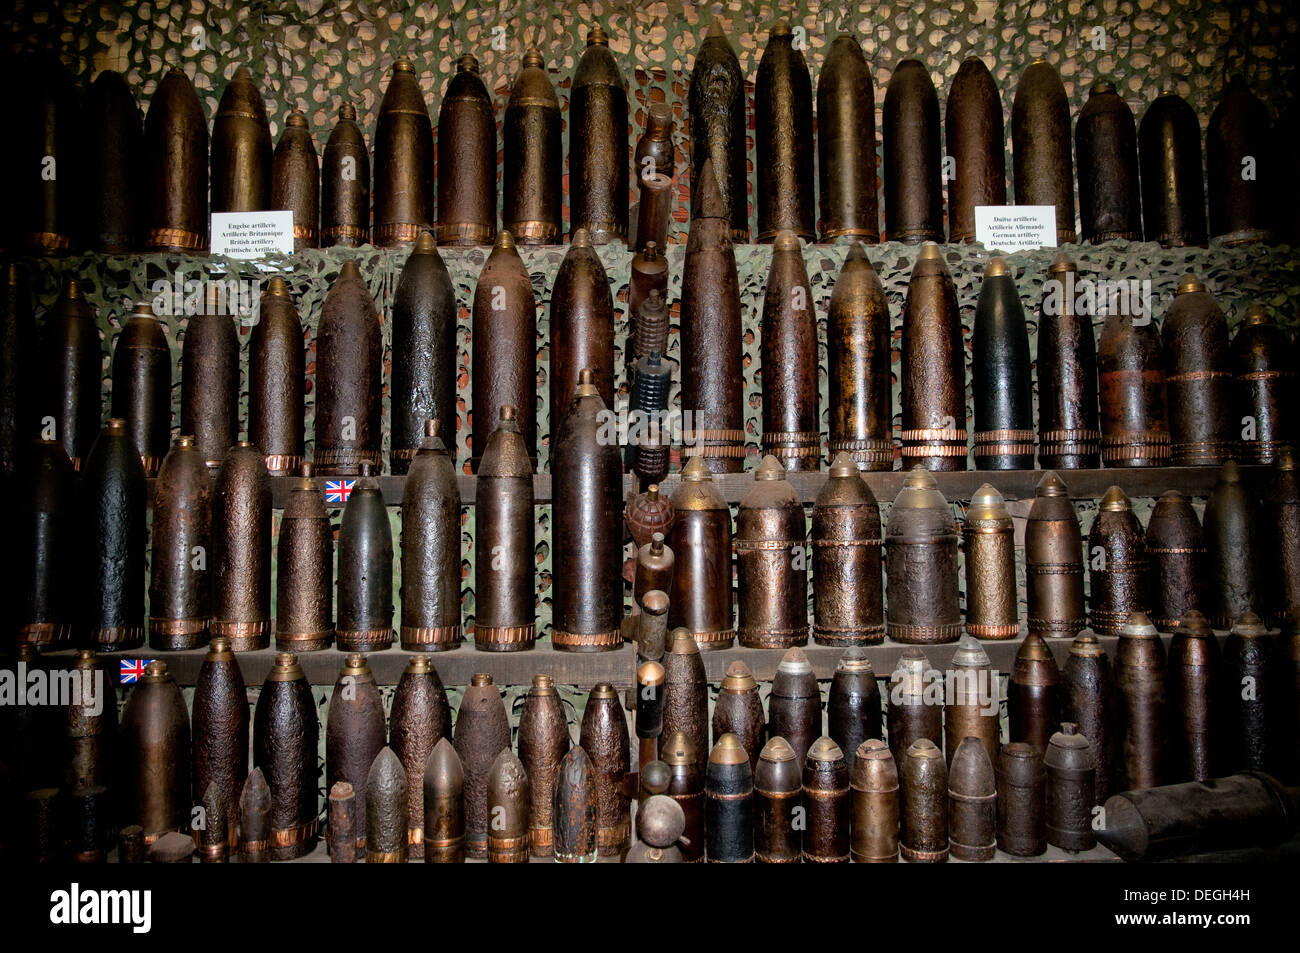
x,y
701,542
504,594
345,184
1141,715
914,707
1169,154
286,730
1241,208
404,196
1054,563
686,787
113,555
921,564
1034,694
342,818
656,204
772,580
598,148
1195,697
794,708
912,151
1071,794
1118,573
923,782
543,743
582,325
241,543
349,377
783,123
1134,418
874,783
686,697
1089,700
155,747
989,544
295,180
531,198
69,370
652,627
719,119
354,730
934,369
1003,400
444,806
467,159
1281,511
1251,660
853,708
791,415
574,808
1070,434
420,718
220,825
241,148
210,381
1266,386
655,567
826,799
604,737
507,804
975,138
1177,558
304,582
778,790
364,620
49,124
276,370
142,384
90,740
386,818
971,702
114,143
848,594
860,393
1105,138
738,711
972,803
47,532
254,820
1021,801
175,178
1199,382
430,539
482,732
1040,146
846,118
1231,527
220,727
728,805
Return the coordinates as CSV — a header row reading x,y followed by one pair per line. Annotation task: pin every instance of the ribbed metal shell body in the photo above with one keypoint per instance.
x,y
508,794
911,713
1134,418
783,124
701,545
467,160
1232,557
114,141
241,148
992,597
241,556
923,783
1089,701
1040,146
846,118
598,146
604,737
976,141
482,733
1022,795
1198,381
543,743
1054,565
1266,388
364,621
349,377
276,367
1003,401
69,373
729,813
46,536
286,731
972,803
210,382
1034,695
686,702
848,594
155,746
778,790
1173,190
921,569
345,184
1177,559
387,822
304,581
934,370
422,384
431,552
1070,434
404,196
716,102
791,414
874,784
113,546
1105,139
142,387
859,388
575,810
1195,698
220,727
739,712
354,731
180,595
770,566
420,717
175,177
1071,794
794,710
913,182
1141,717
505,533
826,799
582,327
295,181
1241,206
531,200
1118,574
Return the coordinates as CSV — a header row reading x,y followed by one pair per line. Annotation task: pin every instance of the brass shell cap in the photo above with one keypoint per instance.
x,y
825,749
1034,649
1256,314
969,654
930,251
1062,263
681,642
1115,501
782,28
603,690
418,665
987,504
354,664
677,750
652,674
467,63
728,750
1230,472
597,35
296,119
923,748
786,240
873,749
997,267
1085,645
1138,624
586,384
1051,485
697,491
277,286
286,668
219,649
1194,624
843,466
1189,284
776,750
739,679
770,469
480,678
424,244
920,491
794,662
156,670
348,111
580,239
1250,625
505,240
655,602
854,661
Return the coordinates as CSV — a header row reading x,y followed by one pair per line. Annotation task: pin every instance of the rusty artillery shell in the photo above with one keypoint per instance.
x,y
791,415
1266,386
783,122
354,729
155,746
113,507
971,703
1054,563
853,712
444,806
1195,696
848,606
90,739
342,820
718,123
295,180
574,808
598,149
587,549
582,325
1021,801
241,544
655,566
826,799
604,738
365,576
988,540
505,528
1199,382
1231,526
220,726
467,159
701,545
934,368
874,783
1034,694
285,734
386,818
794,709
276,367
543,743
914,706
977,143
423,384
304,584
1004,417
49,145
1040,146
531,200
686,697
711,355
1176,550
1281,512
738,711
69,371
663,821
420,717
254,819
858,348
1088,699
1141,715
349,377
1173,193
1252,686
114,144
921,564
404,196
846,119
220,822
180,598
210,379
656,199
913,186
482,732
504,349
778,790
972,802
507,805
345,184
175,179
241,148
1134,419
47,534
1068,428
142,383
1117,565
923,780
652,626
647,301
686,787
772,580
1071,792
728,804
1105,139
431,549
1238,160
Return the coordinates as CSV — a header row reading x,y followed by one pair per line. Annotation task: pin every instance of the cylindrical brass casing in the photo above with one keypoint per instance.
x,y
1140,724
508,794
47,167
1022,801
1105,138
365,575
923,783
386,818
1253,739
180,597
604,737
860,392
1071,794
826,799
728,804
1040,146
46,537
783,124
1176,550
1232,560
972,803
718,131
977,145
241,148
218,824
304,581
846,120
654,163
345,184
1266,387
582,326
913,165
654,215
295,180
482,732
422,385
778,789
1070,436
914,707
1281,513
113,555
543,743
342,820
1173,191
921,564
349,377
420,717
404,196
142,385
286,730
444,807
504,350
1054,563
1117,566
686,787
1088,699
655,566
276,368
90,741
69,372
794,709
989,544
874,782
574,808
598,149
431,549
114,143
853,708
738,711
1195,696
241,550
652,626
701,544
505,531
770,573
255,819
934,368
848,600
531,200
175,178
711,331
1034,694
791,414
210,379
354,729
1199,382
1004,416
155,746
1134,418
1239,139
467,159
220,726
686,698
972,697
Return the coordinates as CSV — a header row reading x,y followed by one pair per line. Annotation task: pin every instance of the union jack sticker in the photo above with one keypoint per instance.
x,y
131,670
338,491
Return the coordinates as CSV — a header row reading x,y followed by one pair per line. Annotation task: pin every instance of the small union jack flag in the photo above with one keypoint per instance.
x,y
338,491
132,669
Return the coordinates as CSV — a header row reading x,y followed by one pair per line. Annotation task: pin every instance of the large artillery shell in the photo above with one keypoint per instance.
x,y
1022,801
686,787
923,782
1194,697
1176,549
241,550
365,577
1068,428
46,539
420,718
505,533
276,366
349,377
934,368
210,379
1281,512
482,732
431,549
604,737
114,143
254,820
914,706
1134,419
598,150
1071,793
848,598
1117,565
48,143
701,544
738,711
1054,562
69,371
1040,146
1231,527
386,818
794,709
220,726
241,148
656,144
342,819
444,806
972,803
728,804
1173,191
404,196
971,700
853,707
718,123
175,179
285,734
1253,689
574,808
783,123
1199,381
989,544
90,742
1140,722
858,348
345,184
155,745
354,729
826,799
113,507
180,597
1034,694
977,144
778,789
543,743
874,783
686,697
791,415
142,384
921,564
304,582
913,188
467,159
1088,699
295,180
772,580
1266,387
531,200
582,326
846,120
507,805
1004,417
1106,141
1238,160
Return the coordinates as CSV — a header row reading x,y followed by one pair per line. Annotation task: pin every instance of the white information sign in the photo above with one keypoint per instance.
x,y
252,234
1010,228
